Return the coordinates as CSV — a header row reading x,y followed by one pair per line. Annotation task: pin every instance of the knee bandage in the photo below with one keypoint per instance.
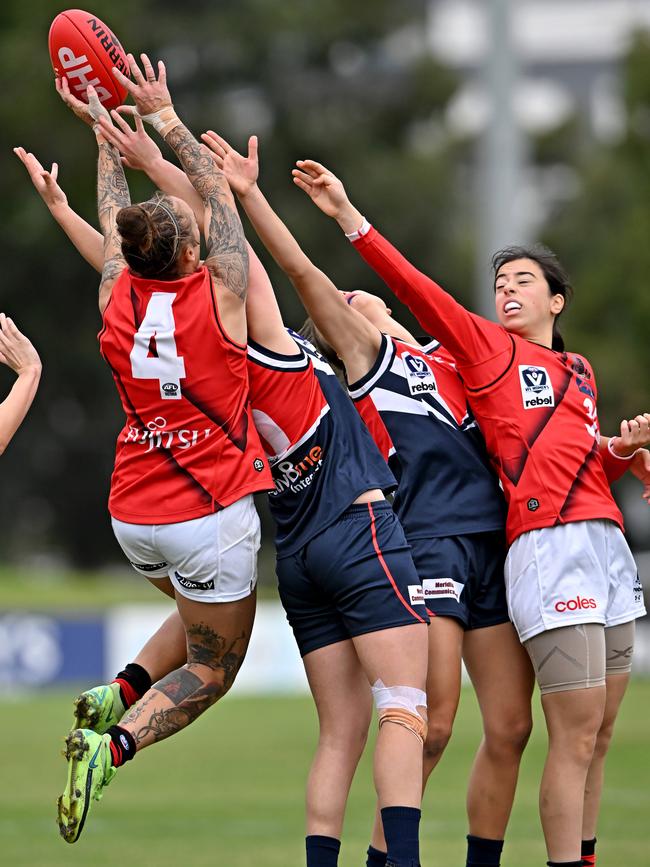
x,y
402,705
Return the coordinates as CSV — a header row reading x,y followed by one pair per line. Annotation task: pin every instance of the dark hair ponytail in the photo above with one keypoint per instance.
x,y
554,274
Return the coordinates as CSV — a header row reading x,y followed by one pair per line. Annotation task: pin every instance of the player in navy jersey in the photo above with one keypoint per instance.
x,y
450,506
345,573
18,354
573,587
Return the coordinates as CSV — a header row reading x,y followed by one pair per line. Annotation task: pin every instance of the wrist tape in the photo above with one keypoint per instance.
x,y
163,121
361,231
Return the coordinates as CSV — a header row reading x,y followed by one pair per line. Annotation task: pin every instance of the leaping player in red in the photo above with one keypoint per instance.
x,y
573,587
188,459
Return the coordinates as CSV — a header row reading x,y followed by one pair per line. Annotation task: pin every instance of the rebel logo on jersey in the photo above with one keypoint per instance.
x,y
536,387
419,375
580,602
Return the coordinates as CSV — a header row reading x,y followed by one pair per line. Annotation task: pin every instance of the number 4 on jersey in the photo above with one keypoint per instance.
x,y
154,354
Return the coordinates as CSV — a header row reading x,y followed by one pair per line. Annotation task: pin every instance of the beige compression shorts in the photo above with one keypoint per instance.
x,y
581,656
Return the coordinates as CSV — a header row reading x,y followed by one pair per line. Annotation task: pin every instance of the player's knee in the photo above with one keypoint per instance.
x,y
508,737
347,734
603,739
437,738
218,669
404,706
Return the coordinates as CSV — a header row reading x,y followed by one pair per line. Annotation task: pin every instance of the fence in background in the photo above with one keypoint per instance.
x,y
41,650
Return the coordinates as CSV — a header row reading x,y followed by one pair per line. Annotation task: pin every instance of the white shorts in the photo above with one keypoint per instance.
x,y
209,559
582,572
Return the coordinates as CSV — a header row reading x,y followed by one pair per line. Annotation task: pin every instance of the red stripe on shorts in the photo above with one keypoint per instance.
x,y
384,566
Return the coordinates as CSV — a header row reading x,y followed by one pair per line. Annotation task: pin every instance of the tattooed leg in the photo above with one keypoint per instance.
x,y
217,640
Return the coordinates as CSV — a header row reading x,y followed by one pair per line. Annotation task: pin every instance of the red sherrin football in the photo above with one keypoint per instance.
x,y
85,50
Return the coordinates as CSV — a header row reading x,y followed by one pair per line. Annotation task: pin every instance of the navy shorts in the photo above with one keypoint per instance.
x,y
462,577
356,576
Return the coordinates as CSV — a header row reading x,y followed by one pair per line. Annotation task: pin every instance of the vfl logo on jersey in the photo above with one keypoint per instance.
x,y
419,375
536,387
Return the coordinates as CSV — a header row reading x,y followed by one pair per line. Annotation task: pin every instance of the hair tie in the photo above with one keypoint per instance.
x,y
177,230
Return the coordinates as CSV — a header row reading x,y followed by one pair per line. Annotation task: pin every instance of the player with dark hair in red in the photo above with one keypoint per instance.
x,y
188,458
572,584
18,354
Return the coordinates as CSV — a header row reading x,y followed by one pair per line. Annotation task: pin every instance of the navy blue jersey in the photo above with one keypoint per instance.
x,y
415,406
321,454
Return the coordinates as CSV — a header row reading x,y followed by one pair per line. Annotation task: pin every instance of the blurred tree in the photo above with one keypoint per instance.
x,y
349,84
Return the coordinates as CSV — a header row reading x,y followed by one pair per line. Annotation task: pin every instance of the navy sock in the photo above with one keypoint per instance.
x,y
482,852
322,851
122,745
401,828
564,863
376,858
588,852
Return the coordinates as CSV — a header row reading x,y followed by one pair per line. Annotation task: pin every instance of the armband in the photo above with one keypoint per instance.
x,y
363,230
610,449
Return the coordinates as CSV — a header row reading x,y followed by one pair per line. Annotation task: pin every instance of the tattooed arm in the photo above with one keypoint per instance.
x,y
112,189
112,196
227,254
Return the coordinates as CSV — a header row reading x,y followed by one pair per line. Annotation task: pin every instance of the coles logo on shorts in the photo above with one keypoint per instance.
x,y
577,604
419,375
536,387
415,594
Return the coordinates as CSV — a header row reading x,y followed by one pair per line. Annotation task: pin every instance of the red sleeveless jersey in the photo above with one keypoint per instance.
x,y
189,446
536,408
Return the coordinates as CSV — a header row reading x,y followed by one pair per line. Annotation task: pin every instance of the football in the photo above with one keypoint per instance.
x,y
85,50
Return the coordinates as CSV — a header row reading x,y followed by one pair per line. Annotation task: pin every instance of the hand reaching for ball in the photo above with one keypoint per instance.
x,y
150,93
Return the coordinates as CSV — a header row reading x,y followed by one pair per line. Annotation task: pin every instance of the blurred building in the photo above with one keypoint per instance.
x,y
568,52
560,59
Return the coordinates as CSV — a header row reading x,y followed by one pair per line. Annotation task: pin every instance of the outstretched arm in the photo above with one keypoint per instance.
x,y
227,255
112,189
355,340
265,325
139,151
481,348
88,241
17,353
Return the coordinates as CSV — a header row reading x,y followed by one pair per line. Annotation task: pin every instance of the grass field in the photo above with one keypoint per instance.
x,y
229,791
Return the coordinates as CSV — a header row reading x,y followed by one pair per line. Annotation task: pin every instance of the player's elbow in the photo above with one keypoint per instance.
x,y
298,270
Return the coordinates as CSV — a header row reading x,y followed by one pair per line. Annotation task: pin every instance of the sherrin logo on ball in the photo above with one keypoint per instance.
x,y
85,50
